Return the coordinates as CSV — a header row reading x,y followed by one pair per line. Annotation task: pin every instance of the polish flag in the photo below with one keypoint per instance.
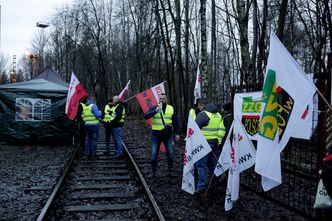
x,y
123,93
75,93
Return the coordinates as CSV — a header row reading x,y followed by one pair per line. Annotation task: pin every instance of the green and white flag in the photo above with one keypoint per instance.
x,y
287,91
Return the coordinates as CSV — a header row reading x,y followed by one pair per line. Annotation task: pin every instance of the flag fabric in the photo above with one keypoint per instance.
x,y
243,154
123,93
309,118
196,148
224,161
197,90
150,98
247,107
75,93
287,91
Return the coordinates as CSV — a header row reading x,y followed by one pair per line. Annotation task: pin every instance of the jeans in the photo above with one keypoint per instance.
x,y
204,165
156,140
91,139
117,134
108,132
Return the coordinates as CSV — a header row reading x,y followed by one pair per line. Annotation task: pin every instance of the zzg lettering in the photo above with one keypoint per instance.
x,y
269,120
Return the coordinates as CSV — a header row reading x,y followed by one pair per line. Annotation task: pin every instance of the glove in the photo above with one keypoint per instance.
x,y
159,108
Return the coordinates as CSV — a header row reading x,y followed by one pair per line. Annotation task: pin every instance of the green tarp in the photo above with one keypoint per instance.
x,y
33,112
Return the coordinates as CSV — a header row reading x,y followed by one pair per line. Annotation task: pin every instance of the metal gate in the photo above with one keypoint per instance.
x,y
300,162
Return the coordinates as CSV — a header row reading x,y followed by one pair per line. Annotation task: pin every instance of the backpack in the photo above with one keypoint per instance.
x,y
326,174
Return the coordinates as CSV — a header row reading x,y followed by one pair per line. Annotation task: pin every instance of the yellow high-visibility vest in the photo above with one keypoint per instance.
x,y
210,131
114,114
107,116
157,123
88,116
221,131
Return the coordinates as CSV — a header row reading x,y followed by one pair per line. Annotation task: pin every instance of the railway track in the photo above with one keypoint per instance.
x,y
102,189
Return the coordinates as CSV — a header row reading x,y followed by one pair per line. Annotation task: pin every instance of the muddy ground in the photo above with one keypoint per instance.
x,y
28,175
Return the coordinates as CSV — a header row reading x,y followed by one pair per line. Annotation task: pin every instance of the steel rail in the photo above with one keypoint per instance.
x,y
145,185
56,190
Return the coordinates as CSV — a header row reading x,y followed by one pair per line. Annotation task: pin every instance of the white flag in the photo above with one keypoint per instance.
x,y
196,148
243,156
244,148
224,161
309,118
197,90
287,91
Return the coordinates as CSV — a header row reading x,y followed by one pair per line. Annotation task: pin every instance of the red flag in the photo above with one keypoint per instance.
x,y
149,98
75,93
123,93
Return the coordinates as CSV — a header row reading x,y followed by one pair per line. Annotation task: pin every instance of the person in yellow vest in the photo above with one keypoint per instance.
x,y
208,121
113,117
164,120
91,115
198,107
106,117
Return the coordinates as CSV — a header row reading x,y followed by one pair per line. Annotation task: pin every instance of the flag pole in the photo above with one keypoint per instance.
x,y
129,98
212,175
138,93
327,103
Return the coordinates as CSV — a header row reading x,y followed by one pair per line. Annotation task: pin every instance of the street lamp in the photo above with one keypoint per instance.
x,y
42,25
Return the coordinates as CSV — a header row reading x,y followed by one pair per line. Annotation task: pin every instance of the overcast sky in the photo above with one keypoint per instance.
x,y
18,22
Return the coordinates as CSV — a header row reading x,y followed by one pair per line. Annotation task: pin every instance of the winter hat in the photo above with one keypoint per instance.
x,y
227,106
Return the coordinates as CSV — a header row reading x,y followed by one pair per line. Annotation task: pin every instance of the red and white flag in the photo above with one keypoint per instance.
x,y
150,97
197,90
123,93
75,93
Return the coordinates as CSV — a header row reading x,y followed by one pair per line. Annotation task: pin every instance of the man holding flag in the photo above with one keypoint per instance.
x,y
164,120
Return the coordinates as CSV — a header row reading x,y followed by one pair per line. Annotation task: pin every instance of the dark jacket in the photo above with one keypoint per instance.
x,y
118,116
175,121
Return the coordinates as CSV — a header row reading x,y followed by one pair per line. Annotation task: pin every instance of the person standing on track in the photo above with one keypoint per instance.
x,y
114,116
91,115
106,116
164,120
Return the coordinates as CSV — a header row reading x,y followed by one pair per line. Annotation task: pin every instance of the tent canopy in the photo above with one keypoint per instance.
x,y
50,75
34,111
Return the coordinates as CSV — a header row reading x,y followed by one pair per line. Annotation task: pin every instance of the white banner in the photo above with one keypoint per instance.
x,y
247,107
287,92
196,148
